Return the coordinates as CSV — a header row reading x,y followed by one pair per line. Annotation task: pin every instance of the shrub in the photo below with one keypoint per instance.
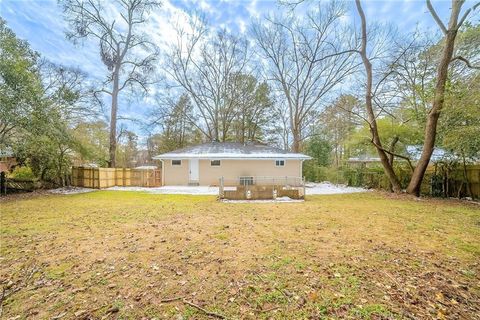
x,y
22,173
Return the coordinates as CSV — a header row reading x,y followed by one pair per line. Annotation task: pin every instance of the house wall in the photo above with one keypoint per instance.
x,y
175,175
230,170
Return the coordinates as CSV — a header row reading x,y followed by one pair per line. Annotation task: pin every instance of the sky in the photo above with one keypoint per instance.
x,y
42,25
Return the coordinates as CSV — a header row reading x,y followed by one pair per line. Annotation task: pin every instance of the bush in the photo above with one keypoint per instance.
x,y
315,173
22,173
356,176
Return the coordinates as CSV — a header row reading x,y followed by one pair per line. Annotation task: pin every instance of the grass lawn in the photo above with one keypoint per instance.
x,y
130,255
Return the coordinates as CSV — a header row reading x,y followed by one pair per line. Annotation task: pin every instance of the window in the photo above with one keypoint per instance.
x,y
215,163
176,162
279,163
246,181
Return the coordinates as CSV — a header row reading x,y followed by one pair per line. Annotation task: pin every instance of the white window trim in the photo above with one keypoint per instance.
x,y
280,166
176,165
247,178
216,160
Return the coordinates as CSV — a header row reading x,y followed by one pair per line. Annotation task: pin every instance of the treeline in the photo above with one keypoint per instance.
x,y
49,117
308,82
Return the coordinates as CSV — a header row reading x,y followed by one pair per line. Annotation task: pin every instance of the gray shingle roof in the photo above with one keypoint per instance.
x,y
231,150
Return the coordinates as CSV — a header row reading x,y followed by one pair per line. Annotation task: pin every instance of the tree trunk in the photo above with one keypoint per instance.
x,y
465,177
438,100
113,120
392,177
296,141
391,157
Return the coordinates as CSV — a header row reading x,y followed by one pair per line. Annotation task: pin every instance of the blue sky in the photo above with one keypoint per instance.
x,y
42,25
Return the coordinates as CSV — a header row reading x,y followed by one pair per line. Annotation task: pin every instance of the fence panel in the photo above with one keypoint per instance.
x,y
98,178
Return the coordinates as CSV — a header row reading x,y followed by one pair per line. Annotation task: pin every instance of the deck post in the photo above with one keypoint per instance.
x,y
221,194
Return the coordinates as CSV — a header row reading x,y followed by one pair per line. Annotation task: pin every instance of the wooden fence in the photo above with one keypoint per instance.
x,y
453,183
439,181
98,178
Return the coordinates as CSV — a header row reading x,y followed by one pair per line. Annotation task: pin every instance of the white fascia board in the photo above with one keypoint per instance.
x,y
231,156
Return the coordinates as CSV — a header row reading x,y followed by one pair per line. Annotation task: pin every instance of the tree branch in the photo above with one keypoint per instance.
x,y
394,154
475,6
466,62
436,17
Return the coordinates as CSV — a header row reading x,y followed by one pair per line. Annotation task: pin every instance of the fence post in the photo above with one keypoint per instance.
x,y
3,184
303,183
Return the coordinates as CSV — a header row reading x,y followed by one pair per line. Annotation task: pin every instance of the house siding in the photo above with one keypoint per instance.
x,y
230,170
175,175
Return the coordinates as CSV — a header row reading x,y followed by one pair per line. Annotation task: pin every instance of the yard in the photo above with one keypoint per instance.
x,y
132,255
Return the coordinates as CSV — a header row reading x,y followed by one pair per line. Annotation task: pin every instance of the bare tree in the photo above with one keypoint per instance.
x,y
450,33
205,66
371,116
124,49
70,92
413,73
172,116
306,61
337,122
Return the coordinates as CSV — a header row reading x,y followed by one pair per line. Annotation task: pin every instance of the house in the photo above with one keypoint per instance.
x,y
413,152
7,160
206,163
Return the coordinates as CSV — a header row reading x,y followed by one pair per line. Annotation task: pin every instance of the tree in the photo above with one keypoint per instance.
x,y
127,150
125,51
450,33
306,61
371,116
253,108
337,122
206,66
173,118
94,137
20,83
319,149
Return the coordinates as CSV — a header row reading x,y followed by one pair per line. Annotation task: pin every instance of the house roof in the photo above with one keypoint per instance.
x,y
438,154
146,167
413,152
6,152
231,150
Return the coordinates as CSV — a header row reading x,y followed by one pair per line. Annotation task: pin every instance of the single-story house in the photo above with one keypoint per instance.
x,y
206,163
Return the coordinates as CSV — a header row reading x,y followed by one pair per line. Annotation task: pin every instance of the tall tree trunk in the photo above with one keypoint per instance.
x,y
392,177
438,100
296,140
113,120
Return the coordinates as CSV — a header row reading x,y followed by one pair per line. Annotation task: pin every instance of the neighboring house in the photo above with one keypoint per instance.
x,y
206,163
413,152
7,160
146,168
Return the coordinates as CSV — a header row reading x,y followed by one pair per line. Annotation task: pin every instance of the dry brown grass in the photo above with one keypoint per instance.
x,y
122,255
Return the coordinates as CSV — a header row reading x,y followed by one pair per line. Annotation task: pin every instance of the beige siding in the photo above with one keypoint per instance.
x,y
232,169
175,175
